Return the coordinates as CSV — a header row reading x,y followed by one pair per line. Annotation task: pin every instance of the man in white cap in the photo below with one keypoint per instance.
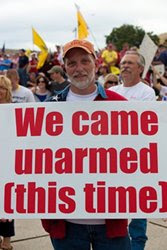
x,y
100,234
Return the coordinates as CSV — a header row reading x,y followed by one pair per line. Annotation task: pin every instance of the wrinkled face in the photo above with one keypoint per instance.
x,y
130,69
80,68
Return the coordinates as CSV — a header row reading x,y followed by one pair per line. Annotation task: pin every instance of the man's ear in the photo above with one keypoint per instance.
x,y
141,69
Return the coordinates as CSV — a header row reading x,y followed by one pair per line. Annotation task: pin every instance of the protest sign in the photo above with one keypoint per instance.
x,y
147,49
83,160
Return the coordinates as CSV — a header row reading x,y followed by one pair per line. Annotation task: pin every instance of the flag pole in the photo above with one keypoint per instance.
x,y
32,38
85,27
94,39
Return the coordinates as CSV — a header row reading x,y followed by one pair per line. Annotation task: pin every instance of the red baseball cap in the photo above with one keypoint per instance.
x,y
83,44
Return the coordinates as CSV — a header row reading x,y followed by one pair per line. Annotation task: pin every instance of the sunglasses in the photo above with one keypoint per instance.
x,y
111,82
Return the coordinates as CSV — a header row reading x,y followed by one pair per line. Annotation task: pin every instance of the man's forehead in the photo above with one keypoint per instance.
x,y
129,57
77,52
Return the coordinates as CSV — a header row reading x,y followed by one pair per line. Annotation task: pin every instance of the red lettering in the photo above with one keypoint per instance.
x,y
128,160
20,191
117,199
101,198
98,127
69,205
8,198
77,128
64,165
34,122
149,159
149,123
163,185
23,161
36,198
54,121
43,161
81,153
52,197
29,120
122,122
89,198
148,199
104,159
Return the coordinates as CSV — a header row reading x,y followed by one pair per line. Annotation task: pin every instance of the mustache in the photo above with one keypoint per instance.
x,y
79,75
125,70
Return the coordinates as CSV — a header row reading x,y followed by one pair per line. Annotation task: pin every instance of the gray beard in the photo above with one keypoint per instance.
x,y
83,84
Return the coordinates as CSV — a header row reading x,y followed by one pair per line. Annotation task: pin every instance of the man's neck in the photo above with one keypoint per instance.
x,y
60,80
86,91
15,86
131,84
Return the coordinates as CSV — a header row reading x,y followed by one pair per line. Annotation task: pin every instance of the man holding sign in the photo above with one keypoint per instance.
x,y
132,66
100,234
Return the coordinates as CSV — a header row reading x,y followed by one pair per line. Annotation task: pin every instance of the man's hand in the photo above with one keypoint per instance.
x,y
5,220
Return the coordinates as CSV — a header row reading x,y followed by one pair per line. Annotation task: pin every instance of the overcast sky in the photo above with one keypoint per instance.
x,y
55,20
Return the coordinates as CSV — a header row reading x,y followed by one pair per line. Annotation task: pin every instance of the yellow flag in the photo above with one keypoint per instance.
x,y
28,52
38,41
42,58
82,26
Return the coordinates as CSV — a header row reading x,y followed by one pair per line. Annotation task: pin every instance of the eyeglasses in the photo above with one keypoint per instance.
x,y
111,82
41,81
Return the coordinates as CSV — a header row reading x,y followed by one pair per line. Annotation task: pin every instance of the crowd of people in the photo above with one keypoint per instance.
x,y
55,78
78,73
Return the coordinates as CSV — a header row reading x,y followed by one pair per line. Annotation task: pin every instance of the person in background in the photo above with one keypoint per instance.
x,y
160,83
102,72
20,93
31,83
110,58
6,226
58,82
6,63
42,89
22,67
59,54
100,234
33,62
134,89
125,48
48,64
15,60
161,56
110,80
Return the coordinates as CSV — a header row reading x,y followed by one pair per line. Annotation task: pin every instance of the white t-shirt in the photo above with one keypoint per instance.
x,y
22,94
138,92
74,97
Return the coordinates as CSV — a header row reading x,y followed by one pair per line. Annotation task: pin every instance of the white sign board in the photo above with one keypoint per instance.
x,y
83,160
147,50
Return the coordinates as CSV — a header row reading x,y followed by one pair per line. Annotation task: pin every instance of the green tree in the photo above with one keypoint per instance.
x,y
129,34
